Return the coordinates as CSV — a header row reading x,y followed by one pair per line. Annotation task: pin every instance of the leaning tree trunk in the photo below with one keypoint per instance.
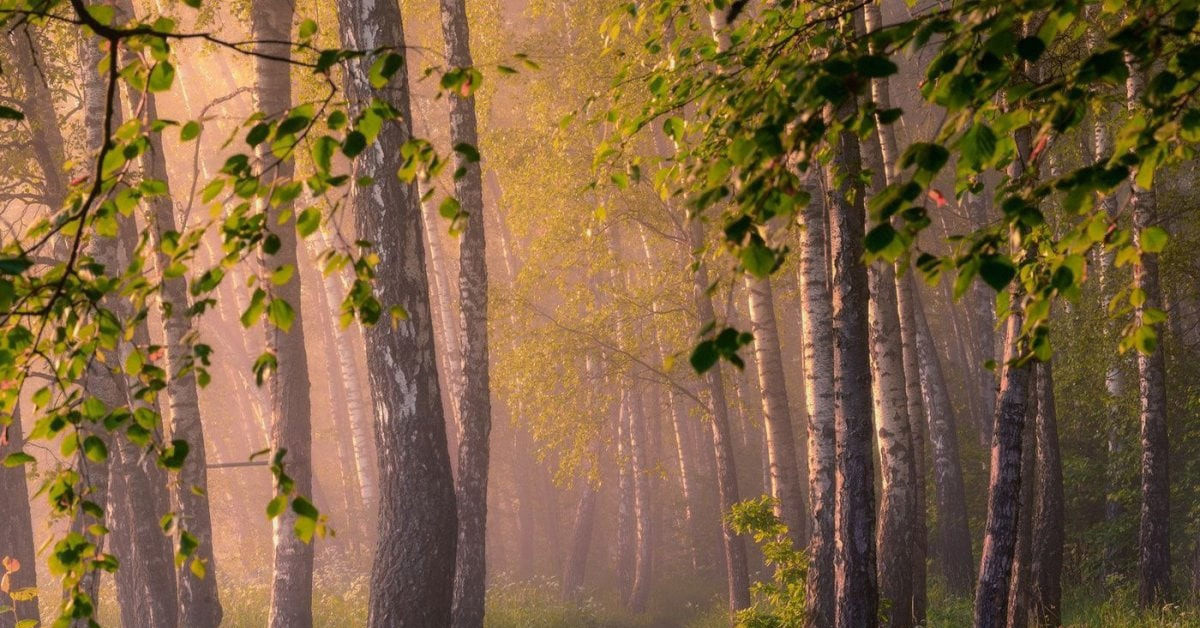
x,y
198,601
856,584
412,579
1048,526
898,502
17,541
1154,541
954,536
817,314
475,410
291,409
1004,486
737,576
777,419
684,455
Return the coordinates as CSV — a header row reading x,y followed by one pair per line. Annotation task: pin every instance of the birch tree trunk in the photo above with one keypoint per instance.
x,y
626,502
954,537
356,411
1048,525
784,475
412,579
643,573
684,453
1004,487
898,503
475,410
291,409
1154,546
856,585
737,576
198,601
817,315
17,523
1018,594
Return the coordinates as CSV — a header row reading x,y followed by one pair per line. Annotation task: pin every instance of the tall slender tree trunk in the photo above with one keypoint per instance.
x,y
625,545
981,321
16,521
684,453
1154,546
475,410
1048,525
1018,594
291,409
817,315
412,579
906,305
856,584
581,541
737,576
1004,487
98,382
954,537
898,502
347,365
784,472
198,601
639,595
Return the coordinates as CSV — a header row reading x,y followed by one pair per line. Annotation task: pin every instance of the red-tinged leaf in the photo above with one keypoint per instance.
x,y
938,198
1041,146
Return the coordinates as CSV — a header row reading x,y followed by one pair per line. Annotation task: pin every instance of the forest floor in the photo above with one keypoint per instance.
x,y
538,604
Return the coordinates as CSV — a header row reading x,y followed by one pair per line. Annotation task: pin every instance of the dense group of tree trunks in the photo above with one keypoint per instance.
x,y
412,579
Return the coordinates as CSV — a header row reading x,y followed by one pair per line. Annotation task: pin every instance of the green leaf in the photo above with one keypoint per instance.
x,y
469,152
1031,48
704,356
173,456
283,274
281,314
258,134
322,152
354,144
308,222
8,113
17,459
384,67
14,265
308,28
1154,239
190,131
95,449
997,271
305,508
275,506
875,66
758,259
161,77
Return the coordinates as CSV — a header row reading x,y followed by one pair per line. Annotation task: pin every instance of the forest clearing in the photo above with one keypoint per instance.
x,y
622,314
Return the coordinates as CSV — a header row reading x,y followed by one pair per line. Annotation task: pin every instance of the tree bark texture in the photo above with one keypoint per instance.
x,y
412,579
